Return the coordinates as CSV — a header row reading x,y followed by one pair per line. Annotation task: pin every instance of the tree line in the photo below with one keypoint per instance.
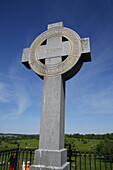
x,y
91,136
76,135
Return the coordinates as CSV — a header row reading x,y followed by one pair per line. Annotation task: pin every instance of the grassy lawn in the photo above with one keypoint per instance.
x,y
25,143
76,144
82,145
34,143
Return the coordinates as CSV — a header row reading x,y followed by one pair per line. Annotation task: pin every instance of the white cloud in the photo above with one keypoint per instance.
x,y
5,93
21,98
90,97
13,93
95,102
100,102
16,95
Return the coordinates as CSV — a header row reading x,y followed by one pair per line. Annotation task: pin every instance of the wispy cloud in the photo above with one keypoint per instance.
x,y
22,98
99,102
16,97
95,101
13,93
5,93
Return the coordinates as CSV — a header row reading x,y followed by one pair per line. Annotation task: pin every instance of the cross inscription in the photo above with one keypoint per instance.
x,y
54,48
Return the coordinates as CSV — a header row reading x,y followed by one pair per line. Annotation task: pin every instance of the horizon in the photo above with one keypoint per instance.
x,y
64,134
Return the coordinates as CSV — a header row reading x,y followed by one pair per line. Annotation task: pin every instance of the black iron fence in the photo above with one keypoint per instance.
x,y
79,160
21,154
83,160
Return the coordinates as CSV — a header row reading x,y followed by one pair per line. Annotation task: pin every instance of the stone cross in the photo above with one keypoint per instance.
x,y
56,55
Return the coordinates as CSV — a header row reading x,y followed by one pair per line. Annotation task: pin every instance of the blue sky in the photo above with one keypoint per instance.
x,y
89,94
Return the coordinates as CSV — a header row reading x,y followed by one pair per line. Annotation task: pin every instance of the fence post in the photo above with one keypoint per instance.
x,y
17,150
70,153
75,160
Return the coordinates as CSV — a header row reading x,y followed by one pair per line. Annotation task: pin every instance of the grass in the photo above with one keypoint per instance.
x,y
82,145
76,144
25,143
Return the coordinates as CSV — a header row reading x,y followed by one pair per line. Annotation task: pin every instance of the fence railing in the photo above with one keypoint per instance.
x,y
21,154
83,160
79,160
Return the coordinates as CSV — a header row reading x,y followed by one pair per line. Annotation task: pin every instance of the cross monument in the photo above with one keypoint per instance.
x,y
56,55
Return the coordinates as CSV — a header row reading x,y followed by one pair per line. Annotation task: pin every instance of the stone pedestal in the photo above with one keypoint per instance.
x,y
50,159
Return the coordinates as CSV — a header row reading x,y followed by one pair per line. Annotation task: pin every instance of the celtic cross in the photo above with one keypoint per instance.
x,y
56,55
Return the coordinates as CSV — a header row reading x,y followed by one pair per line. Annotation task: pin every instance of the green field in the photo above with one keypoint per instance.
x,y
25,143
81,144
76,144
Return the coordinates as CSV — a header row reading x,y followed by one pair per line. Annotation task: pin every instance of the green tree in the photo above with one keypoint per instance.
x,y
106,147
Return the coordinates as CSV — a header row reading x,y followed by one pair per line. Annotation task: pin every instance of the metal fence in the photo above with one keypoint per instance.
x,y
21,154
79,160
83,160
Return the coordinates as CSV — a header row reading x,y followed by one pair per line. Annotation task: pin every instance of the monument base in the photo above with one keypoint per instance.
x,y
50,159
66,166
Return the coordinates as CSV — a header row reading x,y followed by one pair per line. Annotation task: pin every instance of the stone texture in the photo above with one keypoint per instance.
x,y
50,157
52,116
51,153
58,24
53,111
25,56
54,48
85,49
41,167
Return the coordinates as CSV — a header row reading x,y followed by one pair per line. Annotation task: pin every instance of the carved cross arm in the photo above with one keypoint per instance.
x,y
85,49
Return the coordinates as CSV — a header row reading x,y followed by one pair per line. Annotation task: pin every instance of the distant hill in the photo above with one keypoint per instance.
x,y
16,134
